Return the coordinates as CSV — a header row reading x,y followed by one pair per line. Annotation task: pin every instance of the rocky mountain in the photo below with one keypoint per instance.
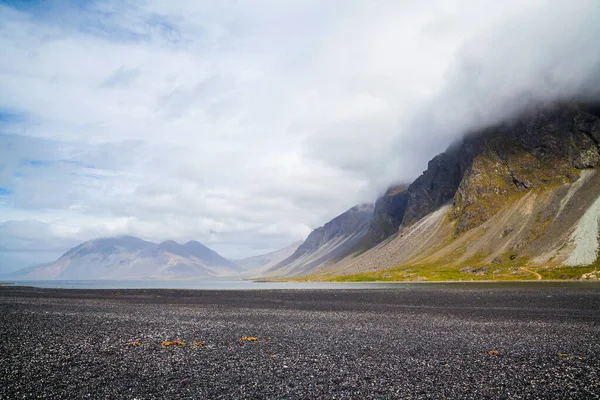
x,y
257,264
522,196
330,242
128,257
388,212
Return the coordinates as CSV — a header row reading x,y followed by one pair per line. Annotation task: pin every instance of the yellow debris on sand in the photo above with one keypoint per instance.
x,y
249,339
198,343
172,343
493,352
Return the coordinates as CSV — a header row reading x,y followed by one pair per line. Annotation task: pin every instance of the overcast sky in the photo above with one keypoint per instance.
x,y
246,124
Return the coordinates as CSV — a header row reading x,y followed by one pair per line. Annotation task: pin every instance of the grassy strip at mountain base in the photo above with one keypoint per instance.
x,y
516,270
432,273
507,267
565,272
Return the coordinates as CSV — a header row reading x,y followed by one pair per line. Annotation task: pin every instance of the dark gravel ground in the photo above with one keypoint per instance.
x,y
406,343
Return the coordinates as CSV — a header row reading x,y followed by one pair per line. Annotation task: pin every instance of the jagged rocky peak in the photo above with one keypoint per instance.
x,y
388,213
549,147
481,172
438,183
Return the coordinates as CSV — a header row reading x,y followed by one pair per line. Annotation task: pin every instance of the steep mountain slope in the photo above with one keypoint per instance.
x,y
330,242
479,174
128,257
502,201
388,213
263,262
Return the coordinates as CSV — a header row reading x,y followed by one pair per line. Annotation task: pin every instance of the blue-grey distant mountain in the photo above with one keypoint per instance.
x,y
109,246
128,257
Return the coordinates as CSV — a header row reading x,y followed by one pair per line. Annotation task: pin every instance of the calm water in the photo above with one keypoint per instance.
x,y
250,285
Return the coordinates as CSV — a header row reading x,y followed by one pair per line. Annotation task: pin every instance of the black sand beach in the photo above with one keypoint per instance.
x,y
407,343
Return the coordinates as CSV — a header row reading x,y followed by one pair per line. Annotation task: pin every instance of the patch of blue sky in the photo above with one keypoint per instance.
x,y
151,27
47,163
8,116
112,32
45,8
35,163
4,191
101,19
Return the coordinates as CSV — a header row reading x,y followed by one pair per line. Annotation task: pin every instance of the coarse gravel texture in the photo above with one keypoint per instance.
x,y
417,342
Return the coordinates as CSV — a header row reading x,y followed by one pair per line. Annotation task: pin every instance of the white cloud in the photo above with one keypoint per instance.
x,y
246,124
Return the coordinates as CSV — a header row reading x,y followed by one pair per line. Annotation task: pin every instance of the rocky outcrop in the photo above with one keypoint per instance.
x,y
479,174
438,184
388,213
548,148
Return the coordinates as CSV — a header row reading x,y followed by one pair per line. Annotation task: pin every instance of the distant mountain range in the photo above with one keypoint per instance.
x,y
128,257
